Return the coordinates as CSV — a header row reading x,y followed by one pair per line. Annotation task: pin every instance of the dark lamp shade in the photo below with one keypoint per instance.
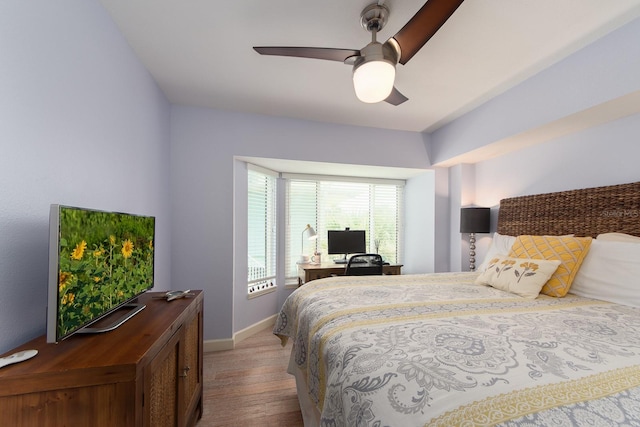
x,y
475,220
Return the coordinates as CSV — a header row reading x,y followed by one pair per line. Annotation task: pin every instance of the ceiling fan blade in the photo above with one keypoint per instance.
x,y
423,26
309,52
396,98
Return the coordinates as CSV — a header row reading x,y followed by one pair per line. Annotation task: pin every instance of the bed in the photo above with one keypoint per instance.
x,y
464,349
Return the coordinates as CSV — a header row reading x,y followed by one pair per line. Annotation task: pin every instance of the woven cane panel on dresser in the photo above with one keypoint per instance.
x,y
584,212
163,388
191,361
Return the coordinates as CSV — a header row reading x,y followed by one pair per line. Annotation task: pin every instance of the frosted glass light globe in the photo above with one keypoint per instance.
x,y
373,81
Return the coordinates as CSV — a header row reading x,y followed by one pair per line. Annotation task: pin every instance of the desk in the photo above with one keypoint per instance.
x,y
308,272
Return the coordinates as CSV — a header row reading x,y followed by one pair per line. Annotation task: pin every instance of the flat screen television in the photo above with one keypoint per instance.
x,y
99,263
345,242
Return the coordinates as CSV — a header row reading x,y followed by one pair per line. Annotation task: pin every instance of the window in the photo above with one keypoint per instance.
x,y
261,230
329,203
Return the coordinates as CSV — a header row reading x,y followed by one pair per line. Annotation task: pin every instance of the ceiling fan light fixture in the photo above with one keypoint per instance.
x,y
374,65
373,80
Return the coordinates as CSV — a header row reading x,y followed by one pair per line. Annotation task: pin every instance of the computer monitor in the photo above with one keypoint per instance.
x,y
345,242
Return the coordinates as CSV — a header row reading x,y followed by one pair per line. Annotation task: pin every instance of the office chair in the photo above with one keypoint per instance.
x,y
364,265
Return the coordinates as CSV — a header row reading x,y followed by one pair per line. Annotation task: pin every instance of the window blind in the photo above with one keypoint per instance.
x,y
261,230
332,204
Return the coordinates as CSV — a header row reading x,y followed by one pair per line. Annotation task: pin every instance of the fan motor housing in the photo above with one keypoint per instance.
x,y
376,51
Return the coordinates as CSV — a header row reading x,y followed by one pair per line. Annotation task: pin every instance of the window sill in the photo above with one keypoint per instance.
x,y
262,291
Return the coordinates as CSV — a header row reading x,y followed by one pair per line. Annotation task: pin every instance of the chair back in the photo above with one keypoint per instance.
x,y
364,265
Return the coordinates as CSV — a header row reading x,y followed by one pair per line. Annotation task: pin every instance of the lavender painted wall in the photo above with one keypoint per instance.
x,y
205,233
82,124
604,155
419,218
603,71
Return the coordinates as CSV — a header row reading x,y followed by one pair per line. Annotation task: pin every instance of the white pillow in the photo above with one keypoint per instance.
x,y
618,237
500,245
520,276
610,272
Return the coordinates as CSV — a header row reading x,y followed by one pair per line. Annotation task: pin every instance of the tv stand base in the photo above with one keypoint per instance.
x,y
114,321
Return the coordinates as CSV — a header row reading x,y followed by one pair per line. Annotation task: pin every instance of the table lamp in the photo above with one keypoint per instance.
x,y
312,235
474,220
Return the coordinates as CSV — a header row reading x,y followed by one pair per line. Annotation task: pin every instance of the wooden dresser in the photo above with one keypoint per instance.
x,y
148,372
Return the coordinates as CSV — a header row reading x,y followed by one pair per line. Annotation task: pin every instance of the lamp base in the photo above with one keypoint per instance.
x,y
472,251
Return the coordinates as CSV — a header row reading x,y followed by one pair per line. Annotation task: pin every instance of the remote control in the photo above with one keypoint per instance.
x,y
177,294
17,357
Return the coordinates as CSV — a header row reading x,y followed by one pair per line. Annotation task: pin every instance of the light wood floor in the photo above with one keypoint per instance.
x,y
249,386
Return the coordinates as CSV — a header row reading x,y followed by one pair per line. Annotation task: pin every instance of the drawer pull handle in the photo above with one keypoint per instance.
x,y
185,371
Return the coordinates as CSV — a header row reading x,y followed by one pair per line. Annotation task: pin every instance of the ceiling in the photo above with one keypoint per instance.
x,y
200,53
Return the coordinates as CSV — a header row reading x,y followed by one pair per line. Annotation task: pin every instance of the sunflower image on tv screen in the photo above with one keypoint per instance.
x,y
105,259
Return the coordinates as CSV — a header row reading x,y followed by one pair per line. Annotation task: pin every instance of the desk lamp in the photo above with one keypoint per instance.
x,y
474,220
312,235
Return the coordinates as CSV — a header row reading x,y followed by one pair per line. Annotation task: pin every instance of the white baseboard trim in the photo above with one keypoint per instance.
x,y
217,345
254,329
230,343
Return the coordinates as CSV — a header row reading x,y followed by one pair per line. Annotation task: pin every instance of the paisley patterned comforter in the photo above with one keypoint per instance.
x,y
437,350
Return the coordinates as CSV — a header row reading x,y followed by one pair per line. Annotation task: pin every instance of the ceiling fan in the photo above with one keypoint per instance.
x,y
374,66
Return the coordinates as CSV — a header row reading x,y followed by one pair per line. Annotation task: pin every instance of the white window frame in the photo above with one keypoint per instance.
x,y
294,226
259,284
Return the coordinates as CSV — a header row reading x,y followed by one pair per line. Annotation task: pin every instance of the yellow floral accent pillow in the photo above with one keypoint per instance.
x,y
520,276
569,250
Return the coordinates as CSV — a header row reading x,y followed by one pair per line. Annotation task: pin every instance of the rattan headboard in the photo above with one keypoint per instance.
x,y
585,212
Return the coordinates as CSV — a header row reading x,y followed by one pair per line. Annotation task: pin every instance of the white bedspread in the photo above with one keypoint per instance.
x,y
437,350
